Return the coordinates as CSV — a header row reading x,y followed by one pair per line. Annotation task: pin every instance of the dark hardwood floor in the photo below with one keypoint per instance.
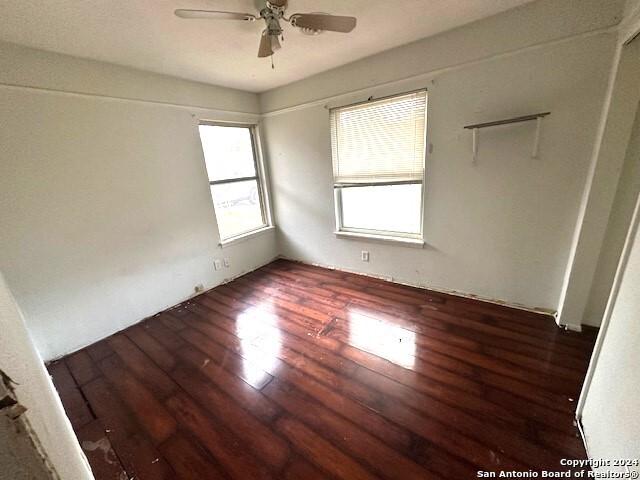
x,y
298,372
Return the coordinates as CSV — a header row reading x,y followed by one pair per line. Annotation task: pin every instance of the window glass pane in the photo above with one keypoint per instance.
x,y
389,208
237,207
228,152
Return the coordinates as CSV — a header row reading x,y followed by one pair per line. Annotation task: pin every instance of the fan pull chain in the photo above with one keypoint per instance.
x,y
273,67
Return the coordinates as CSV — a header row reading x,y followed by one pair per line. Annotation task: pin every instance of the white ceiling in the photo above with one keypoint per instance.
x,y
145,34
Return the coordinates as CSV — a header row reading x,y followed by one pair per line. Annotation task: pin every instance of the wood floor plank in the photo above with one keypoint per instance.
x,y
246,369
157,352
328,377
82,367
386,462
99,452
162,334
300,469
478,361
451,303
321,452
367,419
145,369
241,392
158,423
441,342
189,460
457,391
468,325
171,319
61,376
258,312
99,350
122,425
455,443
225,448
493,342
499,437
74,403
475,404
254,434
464,329
299,372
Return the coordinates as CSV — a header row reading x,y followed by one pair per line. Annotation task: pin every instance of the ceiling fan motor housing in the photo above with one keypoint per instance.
x,y
277,4
272,21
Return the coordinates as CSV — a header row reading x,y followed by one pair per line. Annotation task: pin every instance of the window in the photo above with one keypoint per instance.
x,y
378,150
234,178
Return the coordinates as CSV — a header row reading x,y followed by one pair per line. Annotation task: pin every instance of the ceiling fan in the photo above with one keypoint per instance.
x,y
272,13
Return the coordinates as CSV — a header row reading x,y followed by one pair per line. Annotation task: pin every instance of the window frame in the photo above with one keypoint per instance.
x,y
259,177
414,239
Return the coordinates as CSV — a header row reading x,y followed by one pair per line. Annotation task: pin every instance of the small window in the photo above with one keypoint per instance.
x,y
378,150
234,178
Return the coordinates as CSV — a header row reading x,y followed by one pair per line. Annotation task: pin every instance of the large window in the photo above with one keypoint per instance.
x,y
234,178
378,150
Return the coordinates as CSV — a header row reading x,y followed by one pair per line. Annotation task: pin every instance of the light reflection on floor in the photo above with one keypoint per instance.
x,y
260,342
381,338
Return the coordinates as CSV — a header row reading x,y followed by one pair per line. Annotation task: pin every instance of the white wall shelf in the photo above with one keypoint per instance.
x,y
475,128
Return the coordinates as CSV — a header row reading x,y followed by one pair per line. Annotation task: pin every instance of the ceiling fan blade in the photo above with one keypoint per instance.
x,y
214,15
265,49
318,21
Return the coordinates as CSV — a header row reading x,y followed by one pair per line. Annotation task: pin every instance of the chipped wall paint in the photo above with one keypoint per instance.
x,y
20,455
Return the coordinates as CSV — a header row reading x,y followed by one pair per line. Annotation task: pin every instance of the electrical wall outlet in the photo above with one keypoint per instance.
x,y
226,263
364,255
217,264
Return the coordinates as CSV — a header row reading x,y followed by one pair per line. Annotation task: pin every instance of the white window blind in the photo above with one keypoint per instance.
x,y
380,141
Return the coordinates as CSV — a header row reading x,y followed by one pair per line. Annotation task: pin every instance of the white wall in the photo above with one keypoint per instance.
x,y
631,7
608,404
524,27
501,229
610,415
617,227
36,68
593,256
105,207
52,432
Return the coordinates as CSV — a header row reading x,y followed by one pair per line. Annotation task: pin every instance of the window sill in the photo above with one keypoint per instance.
x,y
246,236
407,242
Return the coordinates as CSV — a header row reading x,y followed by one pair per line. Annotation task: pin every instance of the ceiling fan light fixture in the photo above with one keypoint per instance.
x,y
312,32
323,21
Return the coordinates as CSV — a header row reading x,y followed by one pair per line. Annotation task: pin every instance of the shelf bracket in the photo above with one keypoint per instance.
x,y
476,134
536,140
